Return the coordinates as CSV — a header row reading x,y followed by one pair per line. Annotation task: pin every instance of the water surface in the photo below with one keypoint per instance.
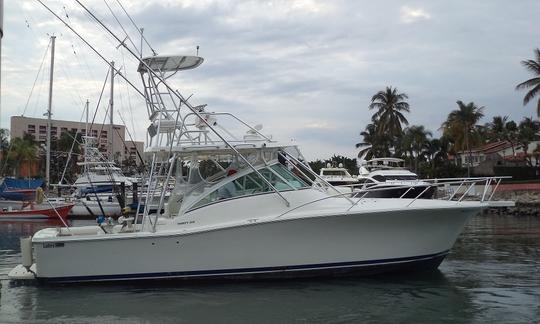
x,y
491,276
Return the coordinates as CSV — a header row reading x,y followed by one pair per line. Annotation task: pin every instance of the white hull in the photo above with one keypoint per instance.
x,y
285,247
92,209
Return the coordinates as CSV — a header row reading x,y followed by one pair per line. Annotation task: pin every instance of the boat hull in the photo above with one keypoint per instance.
x,y
92,209
37,213
365,243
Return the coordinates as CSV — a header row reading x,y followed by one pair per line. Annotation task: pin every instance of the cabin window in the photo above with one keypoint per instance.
x,y
365,180
334,173
401,177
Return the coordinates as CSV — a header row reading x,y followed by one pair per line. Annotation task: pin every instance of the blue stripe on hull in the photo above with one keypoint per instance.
x,y
369,267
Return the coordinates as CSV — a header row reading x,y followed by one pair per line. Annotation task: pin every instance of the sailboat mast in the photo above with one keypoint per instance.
x,y
86,139
49,124
111,105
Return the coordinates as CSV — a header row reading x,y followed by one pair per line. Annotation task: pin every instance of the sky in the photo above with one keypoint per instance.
x,y
305,69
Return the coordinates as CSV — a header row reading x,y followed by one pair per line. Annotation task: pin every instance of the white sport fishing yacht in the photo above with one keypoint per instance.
x,y
98,187
243,206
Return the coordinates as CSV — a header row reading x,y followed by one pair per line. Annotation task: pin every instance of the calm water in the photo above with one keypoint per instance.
x,y
491,276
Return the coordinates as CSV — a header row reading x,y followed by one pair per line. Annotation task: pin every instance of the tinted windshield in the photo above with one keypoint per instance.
x,y
278,175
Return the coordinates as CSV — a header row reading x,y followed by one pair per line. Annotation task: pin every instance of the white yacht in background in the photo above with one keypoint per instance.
x,y
388,178
99,173
98,188
243,206
338,176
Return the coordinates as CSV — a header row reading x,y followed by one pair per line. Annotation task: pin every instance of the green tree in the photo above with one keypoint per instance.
x,y
460,125
416,143
497,128
380,143
64,155
511,134
527,132
22,150
390,107
534,83
4,147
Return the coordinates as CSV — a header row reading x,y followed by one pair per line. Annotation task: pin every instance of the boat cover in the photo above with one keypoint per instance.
x,y
19,189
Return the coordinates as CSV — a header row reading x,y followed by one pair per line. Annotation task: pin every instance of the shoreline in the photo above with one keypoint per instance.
x,y
526,196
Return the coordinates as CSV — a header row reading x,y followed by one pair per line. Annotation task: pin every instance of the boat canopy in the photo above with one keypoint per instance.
x,y
19,189
170,63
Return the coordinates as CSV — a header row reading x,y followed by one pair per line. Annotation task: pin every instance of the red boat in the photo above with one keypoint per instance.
x,y
38,212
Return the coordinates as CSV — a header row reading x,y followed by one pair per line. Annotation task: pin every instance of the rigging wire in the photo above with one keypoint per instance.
x,y
123,29
70,79
128,95
74,137
99,102
138,29
75,51
133,142
182,100
92,47
37,102
37,76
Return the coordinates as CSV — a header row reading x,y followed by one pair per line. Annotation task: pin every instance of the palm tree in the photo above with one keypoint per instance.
x,y
497,128
4,145
22,150
534,83
415,141
390,106
460,125
380,142
527,132
63,164
511,133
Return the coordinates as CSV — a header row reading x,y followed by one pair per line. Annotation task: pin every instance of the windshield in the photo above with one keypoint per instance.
x,y
250,184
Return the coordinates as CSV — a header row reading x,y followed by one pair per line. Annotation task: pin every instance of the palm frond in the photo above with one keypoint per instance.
x,y
528,84
531,65
531,94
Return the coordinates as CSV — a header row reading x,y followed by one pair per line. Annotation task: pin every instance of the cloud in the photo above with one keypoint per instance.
x,y
411,15
306,68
